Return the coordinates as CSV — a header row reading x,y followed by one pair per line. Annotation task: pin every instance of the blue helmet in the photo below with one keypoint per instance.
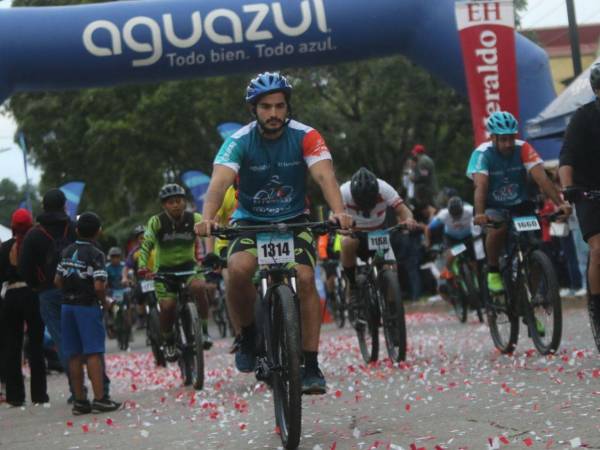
x,y
267,83
502,122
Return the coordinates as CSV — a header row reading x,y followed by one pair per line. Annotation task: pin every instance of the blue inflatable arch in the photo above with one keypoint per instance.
x,y
105,44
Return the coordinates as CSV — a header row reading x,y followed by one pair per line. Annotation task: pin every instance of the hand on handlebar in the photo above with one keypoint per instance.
x,y
566,211
481,219
344,220
206,227
410,224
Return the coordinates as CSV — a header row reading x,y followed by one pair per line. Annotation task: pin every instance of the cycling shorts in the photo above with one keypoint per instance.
x,y
588,215
304,242
164,291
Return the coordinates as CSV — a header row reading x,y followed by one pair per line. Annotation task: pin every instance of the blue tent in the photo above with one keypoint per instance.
x,y
554,118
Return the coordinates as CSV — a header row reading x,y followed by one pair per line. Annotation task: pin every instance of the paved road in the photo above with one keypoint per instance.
x,y
455,391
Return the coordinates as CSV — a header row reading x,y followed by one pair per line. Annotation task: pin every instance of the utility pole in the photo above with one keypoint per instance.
x,y
574,38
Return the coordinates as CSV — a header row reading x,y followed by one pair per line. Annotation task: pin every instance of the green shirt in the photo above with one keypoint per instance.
x,y
174,241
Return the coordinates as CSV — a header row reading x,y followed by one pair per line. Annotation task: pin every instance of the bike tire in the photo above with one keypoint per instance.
x,y
393,318
367,331
502,320
471,291
155,337
339,302
194,355
459,304
286,348
544,304
219,317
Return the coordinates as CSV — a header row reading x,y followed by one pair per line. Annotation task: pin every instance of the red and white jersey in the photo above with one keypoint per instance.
x,y
387,197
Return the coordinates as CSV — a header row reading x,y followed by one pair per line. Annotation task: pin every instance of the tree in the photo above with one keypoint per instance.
x,y
11,197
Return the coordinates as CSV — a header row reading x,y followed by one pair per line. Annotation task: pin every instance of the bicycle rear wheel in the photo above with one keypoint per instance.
x,y
502,319
471,290
367,322
545,320
193,356
394,322
286,355
154,336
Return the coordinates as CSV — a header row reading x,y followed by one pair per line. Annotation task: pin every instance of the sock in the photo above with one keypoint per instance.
x,y
350,273
310,360
204,326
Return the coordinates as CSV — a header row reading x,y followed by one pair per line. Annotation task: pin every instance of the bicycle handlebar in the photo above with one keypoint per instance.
x,y
317,227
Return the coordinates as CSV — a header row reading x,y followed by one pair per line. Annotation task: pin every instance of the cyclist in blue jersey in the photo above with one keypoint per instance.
x,y
271,157
499,170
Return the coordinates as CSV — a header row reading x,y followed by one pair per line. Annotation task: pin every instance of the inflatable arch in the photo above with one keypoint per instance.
x,y
105,44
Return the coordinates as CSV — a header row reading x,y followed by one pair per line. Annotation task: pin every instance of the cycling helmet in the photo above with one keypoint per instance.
x,y
114,251
595,76
137,230
502,122
364,189
171,190
267,83
455,207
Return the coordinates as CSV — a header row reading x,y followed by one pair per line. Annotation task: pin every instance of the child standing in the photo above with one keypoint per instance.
x,y
81,275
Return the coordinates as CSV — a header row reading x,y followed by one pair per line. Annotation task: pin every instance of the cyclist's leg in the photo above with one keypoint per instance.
x,y
348,256
168,304
494,244
240,291
594,266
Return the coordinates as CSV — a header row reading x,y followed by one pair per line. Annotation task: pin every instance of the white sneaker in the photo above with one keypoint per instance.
x,y
580,293
564,292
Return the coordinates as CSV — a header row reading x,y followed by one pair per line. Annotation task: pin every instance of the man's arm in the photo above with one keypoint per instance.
x,y
323,174
149,242
481,182
222,177
546,185
566,176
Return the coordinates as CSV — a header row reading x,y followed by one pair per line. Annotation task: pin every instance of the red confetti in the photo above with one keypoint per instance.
x,y
528,442
109,421
407,407
214,415
85,427
596,373
163,399
504,440
133,387
338,393
333,446
443,371
242,426
277,429
580,354
69,423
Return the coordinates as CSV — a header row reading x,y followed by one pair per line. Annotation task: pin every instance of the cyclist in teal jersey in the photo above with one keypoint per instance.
x,y
271,158
499,171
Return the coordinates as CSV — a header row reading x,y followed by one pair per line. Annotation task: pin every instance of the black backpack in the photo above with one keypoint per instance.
x,y
53,254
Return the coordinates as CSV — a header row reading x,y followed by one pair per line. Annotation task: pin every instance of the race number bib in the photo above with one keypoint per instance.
x,y
526,223
458,249
147,286
379,240
275,248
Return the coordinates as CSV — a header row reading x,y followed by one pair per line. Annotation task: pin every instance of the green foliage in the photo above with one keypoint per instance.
x,y
10,198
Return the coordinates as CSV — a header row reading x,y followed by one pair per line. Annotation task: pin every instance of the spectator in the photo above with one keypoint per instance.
x,y
423,176
39,257
81,275
21,306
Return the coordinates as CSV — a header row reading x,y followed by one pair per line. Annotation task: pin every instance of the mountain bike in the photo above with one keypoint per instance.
x,y
530,290
121,313
336,300
153,334
379,299
463,285
188,329
280,354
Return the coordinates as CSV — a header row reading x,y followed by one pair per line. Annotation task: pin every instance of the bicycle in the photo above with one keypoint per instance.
x,y
594,316
530,290
336,300
220,314
121,315
463,286
380,297
188,329
153,335
280,354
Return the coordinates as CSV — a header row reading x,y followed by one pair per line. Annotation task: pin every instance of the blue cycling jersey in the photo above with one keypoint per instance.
x,y
272,173
507,174
114,275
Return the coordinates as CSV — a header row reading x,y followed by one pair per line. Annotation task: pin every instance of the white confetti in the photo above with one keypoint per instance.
x,y
575,443
356,433
145,433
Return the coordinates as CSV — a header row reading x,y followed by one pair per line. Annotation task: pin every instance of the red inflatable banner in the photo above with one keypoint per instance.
x,y
487,38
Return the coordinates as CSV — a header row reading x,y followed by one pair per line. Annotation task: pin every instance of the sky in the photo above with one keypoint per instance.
x,y
539,14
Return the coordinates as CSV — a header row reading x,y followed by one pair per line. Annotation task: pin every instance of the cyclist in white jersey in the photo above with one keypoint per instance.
x,y
366,199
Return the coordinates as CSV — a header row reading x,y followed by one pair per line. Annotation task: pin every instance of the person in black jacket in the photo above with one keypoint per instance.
x,y
39,258
21,306
579,173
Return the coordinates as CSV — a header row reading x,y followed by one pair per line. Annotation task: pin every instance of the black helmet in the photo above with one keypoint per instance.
x,y
171,190
114,251
455,207
364,189
137,230
595,76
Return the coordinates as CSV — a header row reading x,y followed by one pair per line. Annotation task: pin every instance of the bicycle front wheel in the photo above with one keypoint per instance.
x,y
545,320
194,352
286,355
392,312
153,332
366,322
